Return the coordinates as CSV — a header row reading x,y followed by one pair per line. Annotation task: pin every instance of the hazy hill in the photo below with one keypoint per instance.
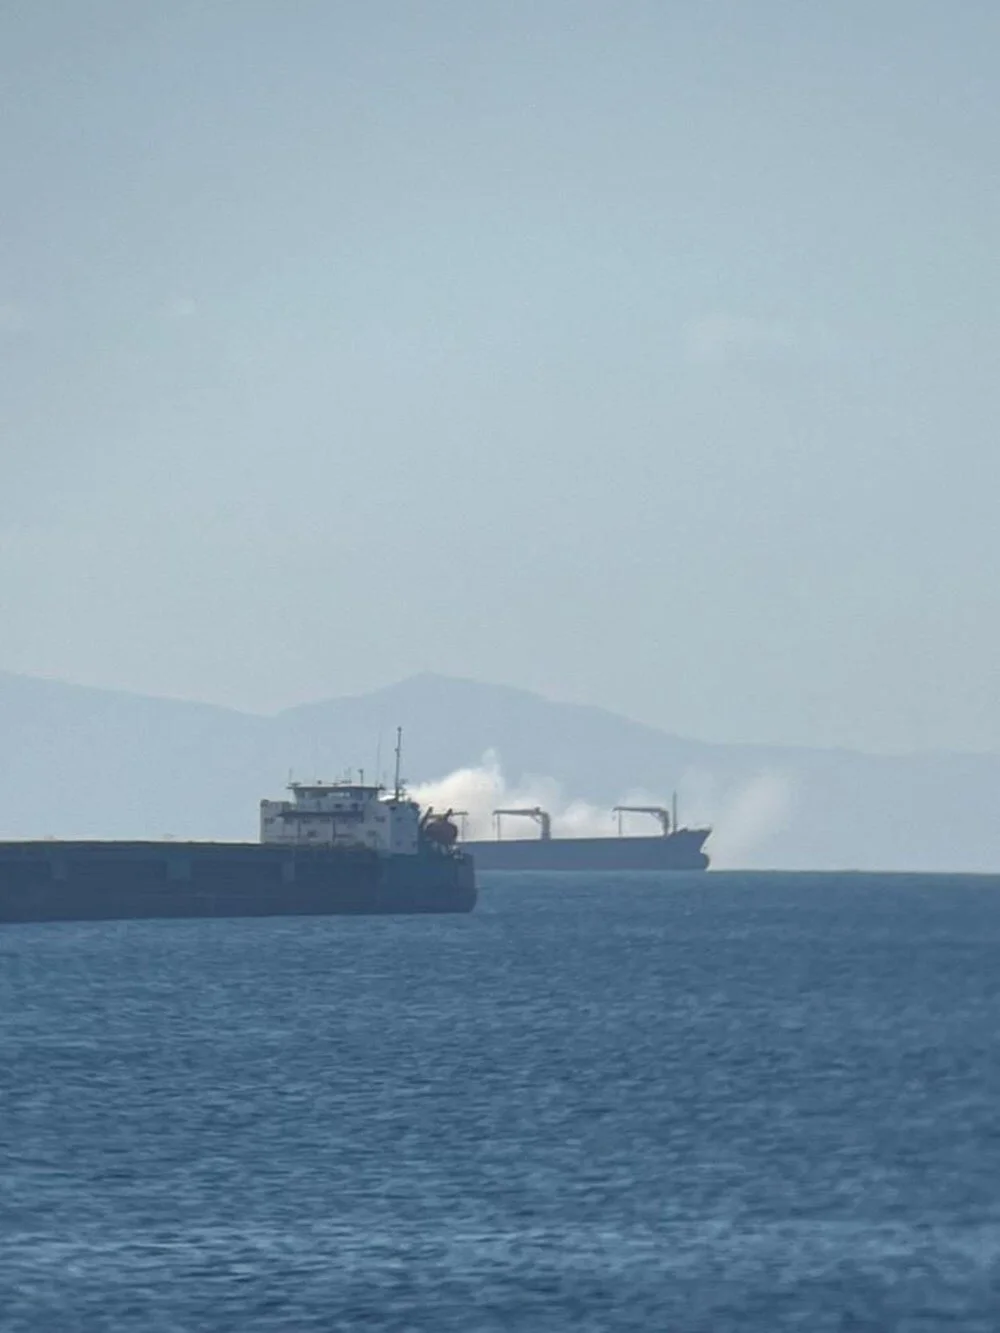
x,y
98,762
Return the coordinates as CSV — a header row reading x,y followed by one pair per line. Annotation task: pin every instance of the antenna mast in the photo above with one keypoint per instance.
x,y
399,756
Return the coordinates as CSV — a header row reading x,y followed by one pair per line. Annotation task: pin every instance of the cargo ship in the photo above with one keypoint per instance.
x,y
338,847
673,848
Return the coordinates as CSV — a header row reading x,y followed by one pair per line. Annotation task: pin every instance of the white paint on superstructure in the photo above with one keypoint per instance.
x,y
341,814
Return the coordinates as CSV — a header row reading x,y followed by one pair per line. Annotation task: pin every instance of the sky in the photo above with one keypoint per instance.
x,y
644,354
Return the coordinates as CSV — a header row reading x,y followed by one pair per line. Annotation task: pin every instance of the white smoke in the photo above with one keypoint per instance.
x,y
479,791
741,818
749,817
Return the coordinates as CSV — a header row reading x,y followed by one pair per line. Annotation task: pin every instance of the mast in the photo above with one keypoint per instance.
x,y
399,757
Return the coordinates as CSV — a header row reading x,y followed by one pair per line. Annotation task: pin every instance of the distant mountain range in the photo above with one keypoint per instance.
x,y
88,762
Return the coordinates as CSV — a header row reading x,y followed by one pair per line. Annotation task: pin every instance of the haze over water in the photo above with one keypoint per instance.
x,y
715,1103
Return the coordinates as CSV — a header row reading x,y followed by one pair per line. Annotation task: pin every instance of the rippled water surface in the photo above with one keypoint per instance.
x,y
682,1103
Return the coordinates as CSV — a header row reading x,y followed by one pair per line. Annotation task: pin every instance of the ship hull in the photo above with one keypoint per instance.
x,y
678,851
108,881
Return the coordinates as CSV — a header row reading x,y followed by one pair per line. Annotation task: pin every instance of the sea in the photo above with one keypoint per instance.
x,y
648,1102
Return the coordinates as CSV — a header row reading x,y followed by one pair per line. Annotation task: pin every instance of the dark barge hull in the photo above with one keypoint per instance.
x,y
108,881
677,851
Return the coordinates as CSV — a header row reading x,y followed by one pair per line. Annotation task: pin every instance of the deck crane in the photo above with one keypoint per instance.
x,y
657,811
540,816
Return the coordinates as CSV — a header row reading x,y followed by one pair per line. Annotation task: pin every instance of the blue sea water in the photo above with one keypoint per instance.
x,y
704,1103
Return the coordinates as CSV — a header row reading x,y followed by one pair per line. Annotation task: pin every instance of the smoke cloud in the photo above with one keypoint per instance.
x,y
752,814
481,790
742,817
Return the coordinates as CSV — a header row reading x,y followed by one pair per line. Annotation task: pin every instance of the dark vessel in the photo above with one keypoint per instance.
x,y
674,848
334,848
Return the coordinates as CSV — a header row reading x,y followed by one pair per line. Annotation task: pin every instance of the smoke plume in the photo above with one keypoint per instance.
x,y
742,815
481,790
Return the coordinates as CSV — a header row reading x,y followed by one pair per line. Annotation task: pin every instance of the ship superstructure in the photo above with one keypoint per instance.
x,y
342,814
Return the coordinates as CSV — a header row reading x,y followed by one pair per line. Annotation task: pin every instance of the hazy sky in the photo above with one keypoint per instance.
x,y
644,353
